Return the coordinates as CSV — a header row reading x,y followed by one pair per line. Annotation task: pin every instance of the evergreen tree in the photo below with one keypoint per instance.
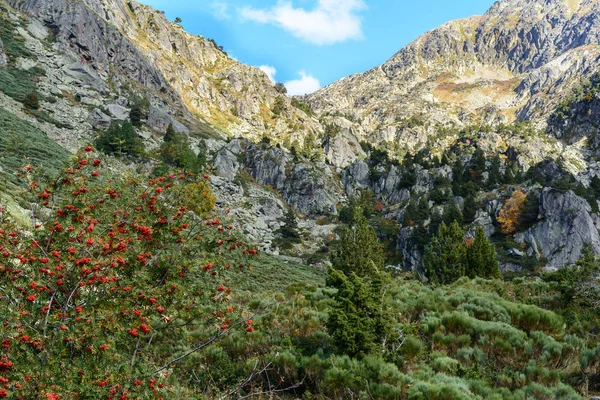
x,y
494,175
481,256
470,209
357,319
120,140
289,230
175,151
136,115
170,135
458,180
531,210
445,259
452,213
360,251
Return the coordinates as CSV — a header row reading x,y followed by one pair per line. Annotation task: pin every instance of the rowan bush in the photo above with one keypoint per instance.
x,y
116,280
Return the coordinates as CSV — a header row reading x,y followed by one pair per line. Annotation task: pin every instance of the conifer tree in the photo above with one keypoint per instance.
x,y
358,320
135,115
289,230
360,251
452,213
120,139
470,209
445,259
481,256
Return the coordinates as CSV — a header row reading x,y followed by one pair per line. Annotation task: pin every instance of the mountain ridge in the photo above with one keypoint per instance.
x,y
505,54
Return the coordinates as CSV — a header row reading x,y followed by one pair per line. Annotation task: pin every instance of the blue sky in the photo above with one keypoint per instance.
x,y
308,44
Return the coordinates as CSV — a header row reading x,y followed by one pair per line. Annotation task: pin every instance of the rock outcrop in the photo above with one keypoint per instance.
x,y
567,226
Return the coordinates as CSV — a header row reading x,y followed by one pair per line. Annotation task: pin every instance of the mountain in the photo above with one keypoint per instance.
x,y
458,119
117,46
515,62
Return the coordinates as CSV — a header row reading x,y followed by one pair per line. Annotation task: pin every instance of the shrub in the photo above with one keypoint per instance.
x,y
119,291
31,101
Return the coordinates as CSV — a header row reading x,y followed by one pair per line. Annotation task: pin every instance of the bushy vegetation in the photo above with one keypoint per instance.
x,y
176,152
120,139
225,321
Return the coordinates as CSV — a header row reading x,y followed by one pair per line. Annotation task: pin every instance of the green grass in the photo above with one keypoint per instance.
x,y
270,273
22,143
18,83
14,44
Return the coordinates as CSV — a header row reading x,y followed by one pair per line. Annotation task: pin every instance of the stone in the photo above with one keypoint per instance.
x,y
356,177
37,29
119,112
565,229
516,252
159,120
343,149
226,164
3,58
99,120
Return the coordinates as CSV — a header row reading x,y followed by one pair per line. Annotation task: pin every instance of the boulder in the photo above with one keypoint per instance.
x,y
37,29
343,149
86,75
99,120
268,165
119,112
356,177
309,191
159,120
226,164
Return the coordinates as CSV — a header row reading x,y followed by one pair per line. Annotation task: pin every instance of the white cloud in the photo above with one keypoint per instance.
x,y
331,21
270,71
305,85
220,10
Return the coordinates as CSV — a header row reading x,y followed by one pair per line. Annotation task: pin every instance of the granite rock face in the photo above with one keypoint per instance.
x,y
567,226
125,41
519,59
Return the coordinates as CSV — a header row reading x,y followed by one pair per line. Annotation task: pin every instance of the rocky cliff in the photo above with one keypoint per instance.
x,y
123,42
516,61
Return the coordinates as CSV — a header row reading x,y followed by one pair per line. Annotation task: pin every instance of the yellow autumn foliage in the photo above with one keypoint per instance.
x,y
511,212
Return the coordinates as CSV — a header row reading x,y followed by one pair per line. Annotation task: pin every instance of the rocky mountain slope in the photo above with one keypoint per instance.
x,y
516,61
400,138
117,43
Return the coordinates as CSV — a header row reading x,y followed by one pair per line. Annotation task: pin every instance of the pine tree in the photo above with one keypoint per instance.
x,y
481,256
357,319
360,251
494,176
452,213
445,259
121,140
170,135
136,115
289,230
470,209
